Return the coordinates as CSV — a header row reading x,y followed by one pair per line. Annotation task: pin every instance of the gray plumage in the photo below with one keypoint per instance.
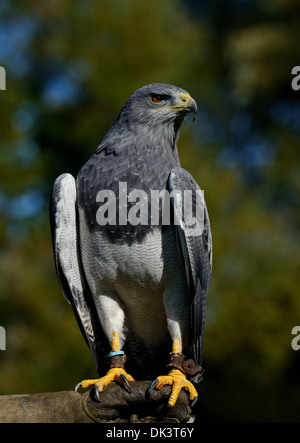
x,y
149,282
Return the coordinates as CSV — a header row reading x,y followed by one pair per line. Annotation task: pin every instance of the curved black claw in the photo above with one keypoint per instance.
x,y
151,387
127,386
78,386
96,389
153,384
194,401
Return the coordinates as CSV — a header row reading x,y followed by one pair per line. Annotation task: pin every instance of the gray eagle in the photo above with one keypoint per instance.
x,y
133,248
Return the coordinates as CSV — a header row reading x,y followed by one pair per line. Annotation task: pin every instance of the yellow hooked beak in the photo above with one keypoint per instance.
x,y
186,102
183,103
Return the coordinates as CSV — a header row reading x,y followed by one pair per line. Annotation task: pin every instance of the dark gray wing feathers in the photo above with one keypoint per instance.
x,y
196,248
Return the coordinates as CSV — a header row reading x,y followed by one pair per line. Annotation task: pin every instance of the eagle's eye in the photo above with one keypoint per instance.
x,y
155,98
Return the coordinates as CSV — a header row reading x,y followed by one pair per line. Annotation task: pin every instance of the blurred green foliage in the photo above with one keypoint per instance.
x,y
70,66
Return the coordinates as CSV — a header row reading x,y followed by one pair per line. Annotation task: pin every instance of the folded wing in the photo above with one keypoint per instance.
x,y
64,229
195,246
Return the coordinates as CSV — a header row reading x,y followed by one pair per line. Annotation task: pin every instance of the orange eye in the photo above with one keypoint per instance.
x,y
157,98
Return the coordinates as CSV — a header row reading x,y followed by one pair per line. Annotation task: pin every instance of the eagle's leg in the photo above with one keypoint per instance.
x,y
116,370
176,377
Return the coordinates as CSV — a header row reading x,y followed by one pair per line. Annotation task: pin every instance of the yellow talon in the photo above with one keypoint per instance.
x,y
114,374
177,380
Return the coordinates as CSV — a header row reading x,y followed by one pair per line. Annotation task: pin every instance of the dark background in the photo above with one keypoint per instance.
x,y
70,66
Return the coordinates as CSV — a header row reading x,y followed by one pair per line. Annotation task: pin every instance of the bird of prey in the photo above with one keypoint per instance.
x,y
133,267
